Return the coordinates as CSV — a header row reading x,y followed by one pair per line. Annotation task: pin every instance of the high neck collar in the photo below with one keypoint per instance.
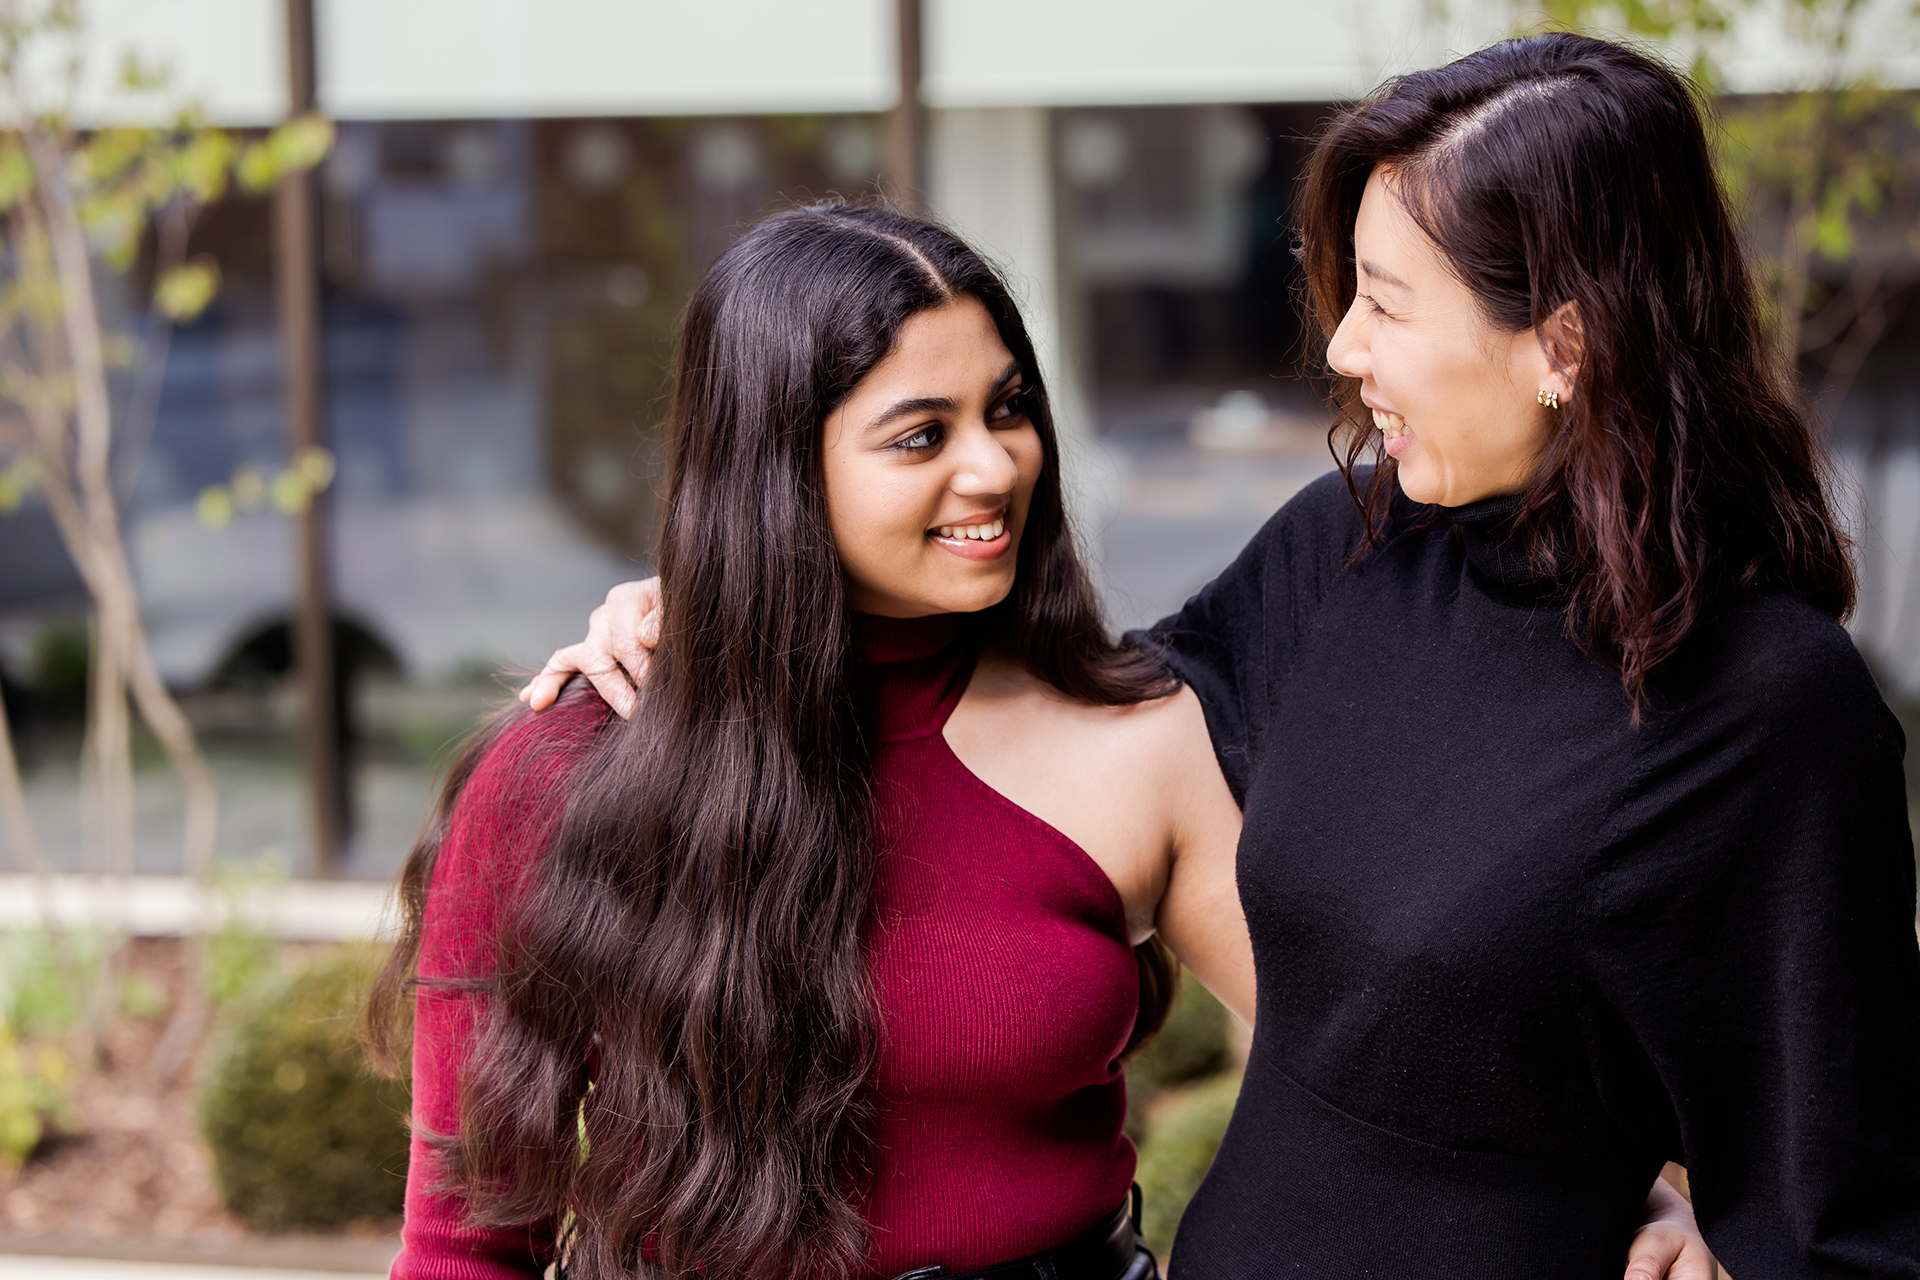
x,y
1486,530
881,641
913,670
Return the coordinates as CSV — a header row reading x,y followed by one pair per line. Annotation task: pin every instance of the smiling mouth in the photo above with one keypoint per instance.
x,y
982,541
987,532
1391,425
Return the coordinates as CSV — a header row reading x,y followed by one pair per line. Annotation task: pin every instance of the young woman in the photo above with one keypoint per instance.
x,y
823,963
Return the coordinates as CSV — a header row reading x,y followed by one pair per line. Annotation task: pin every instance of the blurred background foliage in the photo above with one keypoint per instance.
x,y
303,1135
1181,1087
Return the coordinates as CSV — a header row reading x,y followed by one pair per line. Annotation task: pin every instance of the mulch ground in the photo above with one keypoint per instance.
x,y
132,1169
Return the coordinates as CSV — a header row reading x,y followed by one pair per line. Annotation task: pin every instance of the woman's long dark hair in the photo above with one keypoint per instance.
x,y
1561,169
694,927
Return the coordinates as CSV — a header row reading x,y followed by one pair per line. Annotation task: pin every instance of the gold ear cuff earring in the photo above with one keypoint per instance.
x,y
1550,399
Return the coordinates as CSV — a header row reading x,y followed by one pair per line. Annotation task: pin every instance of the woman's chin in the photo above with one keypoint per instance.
x,y
970,597
1418,485
973,597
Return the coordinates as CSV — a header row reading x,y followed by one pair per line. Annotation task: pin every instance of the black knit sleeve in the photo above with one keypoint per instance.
x,y
1752,925
1233,641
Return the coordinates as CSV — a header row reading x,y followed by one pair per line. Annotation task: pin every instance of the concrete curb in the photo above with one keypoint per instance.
x,y
169,906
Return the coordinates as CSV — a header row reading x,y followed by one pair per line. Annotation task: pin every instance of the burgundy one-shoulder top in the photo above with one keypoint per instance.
x,y
1005,982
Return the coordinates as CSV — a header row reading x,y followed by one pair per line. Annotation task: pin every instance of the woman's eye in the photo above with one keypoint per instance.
x,y
925,438
1372,306
1016,405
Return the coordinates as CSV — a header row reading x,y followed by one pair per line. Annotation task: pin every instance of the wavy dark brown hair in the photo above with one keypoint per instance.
x,y
1560,169
693,928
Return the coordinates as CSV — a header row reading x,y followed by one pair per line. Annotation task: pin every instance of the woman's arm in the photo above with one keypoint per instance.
x,y
1752,929
1200,917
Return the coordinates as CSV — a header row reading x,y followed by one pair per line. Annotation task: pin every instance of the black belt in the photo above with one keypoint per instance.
x,y
1110,1250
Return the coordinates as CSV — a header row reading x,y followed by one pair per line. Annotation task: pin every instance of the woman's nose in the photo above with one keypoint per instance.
x,y
1347,352
983,465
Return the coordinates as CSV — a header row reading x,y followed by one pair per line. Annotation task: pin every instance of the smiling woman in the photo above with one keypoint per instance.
x,y
927,496
1423,352
1576,835
824,963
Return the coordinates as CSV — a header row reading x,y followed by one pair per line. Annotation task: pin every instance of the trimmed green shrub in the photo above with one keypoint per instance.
x,y
303,1136
1186,1129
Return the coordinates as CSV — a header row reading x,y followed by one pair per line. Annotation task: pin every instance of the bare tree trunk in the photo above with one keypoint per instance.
x,y
110,740
905,179
121,657
18,820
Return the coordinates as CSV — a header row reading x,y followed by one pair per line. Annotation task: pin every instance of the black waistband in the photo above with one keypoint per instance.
x,y
1110,1250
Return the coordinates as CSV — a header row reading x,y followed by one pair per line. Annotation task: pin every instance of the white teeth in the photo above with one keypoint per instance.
x,y
1391,425
976,532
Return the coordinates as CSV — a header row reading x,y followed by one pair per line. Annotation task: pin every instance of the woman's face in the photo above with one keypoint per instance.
x,y
930,465
1457,400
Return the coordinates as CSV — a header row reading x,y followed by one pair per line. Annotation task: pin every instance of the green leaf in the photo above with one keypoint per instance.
x,y
184,292
137,75
16,173
1833,236
256,169
202,163
20,478
301,143
291,492
297,145
214,506
316,465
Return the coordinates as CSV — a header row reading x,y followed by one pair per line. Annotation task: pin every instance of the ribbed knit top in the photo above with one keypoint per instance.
x,y
1005,983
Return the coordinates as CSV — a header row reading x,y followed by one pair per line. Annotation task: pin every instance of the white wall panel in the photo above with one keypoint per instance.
x,y
1099,52
491,58
227,56
421,58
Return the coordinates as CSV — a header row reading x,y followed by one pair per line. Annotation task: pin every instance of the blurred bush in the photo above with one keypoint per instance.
x,y
1180,1092
302,1135
36,1095
41,981
1192,1043
1182,1136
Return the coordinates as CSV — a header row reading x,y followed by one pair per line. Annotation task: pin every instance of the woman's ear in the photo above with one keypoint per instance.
x,y
1564,341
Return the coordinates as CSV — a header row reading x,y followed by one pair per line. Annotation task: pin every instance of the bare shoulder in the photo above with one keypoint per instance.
x,y
1153,741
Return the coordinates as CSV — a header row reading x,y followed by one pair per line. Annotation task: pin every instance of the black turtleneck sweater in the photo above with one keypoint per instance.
x,y
1514,952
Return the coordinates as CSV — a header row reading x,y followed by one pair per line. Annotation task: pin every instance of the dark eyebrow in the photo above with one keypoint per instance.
x,y
939,404
1385,277
907,408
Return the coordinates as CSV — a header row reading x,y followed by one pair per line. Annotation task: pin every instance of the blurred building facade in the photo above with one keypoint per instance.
x,y
523,193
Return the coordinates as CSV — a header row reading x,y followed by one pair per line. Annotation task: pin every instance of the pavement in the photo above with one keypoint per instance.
x,y
285,1257
52,1268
